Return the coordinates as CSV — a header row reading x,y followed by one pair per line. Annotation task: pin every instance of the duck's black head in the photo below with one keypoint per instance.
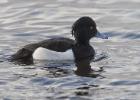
x,y
84,29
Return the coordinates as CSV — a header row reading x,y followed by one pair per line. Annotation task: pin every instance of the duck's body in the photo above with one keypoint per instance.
x,y
55,49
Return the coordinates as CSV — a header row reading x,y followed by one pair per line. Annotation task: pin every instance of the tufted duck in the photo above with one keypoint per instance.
x,y
82,30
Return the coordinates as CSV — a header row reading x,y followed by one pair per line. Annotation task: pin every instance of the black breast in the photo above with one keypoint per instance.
x,y
83,52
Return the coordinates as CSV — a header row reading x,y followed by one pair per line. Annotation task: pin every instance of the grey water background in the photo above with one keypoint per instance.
x,y
28,21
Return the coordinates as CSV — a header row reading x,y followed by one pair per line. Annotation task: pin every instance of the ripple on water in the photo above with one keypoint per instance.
x,y
43,81
125,82
3,1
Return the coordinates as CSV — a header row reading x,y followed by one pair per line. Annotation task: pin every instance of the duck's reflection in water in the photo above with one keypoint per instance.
x,y
84,69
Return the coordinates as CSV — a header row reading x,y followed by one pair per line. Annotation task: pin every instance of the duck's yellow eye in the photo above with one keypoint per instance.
x,y
91,27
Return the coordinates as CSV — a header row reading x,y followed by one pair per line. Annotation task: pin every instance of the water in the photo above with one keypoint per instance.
x,y
28,21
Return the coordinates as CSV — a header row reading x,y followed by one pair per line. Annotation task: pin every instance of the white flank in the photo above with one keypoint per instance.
x,y
45,54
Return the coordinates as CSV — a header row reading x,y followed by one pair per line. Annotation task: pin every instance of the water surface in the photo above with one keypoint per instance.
x,y
28,21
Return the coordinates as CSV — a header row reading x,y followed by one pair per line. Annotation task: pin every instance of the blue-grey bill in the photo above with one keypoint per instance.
x,y
102,36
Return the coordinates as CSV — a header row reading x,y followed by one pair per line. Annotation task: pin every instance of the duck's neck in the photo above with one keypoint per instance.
x,y
82,42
